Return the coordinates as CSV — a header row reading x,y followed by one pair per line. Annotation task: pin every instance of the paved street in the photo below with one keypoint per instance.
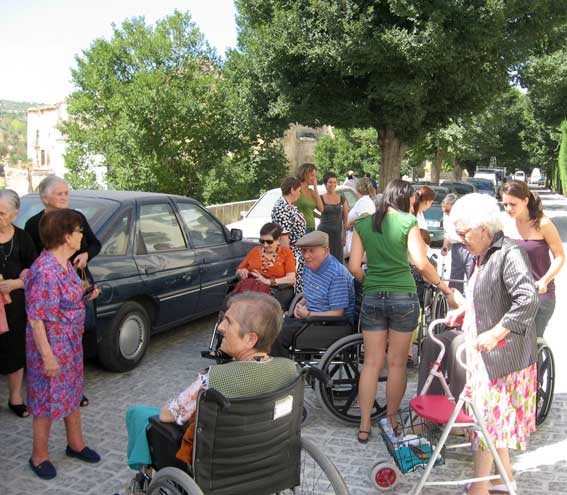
x,y
172,362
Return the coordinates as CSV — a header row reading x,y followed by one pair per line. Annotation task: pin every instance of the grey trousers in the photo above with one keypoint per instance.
x,y
457,376
462,264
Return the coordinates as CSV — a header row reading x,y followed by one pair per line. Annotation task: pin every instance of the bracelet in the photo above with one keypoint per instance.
x,y
273,282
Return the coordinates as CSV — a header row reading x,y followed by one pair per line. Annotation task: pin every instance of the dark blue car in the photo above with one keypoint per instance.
x,y
165,260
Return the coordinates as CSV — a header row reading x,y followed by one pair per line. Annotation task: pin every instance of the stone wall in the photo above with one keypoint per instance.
x,y
230,212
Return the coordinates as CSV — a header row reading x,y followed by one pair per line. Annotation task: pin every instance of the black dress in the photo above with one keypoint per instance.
x,y
15,255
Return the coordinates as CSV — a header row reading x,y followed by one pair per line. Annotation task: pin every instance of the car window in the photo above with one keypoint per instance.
x,y
204,230
97,210
350,197
115,241
159,228
263,207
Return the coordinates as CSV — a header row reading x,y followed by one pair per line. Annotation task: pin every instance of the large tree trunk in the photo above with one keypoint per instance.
x,y
436,165
392,150
458,171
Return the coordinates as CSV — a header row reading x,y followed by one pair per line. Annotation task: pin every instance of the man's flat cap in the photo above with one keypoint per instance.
x,y
314,239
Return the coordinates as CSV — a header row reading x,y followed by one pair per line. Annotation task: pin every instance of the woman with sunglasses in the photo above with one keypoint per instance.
x,y
271,264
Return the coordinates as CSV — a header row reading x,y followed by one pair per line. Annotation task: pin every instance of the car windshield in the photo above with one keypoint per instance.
x,y
97,210
485,186
433,214
263,207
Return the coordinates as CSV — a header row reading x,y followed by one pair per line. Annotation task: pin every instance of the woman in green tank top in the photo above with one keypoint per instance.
x,y
309,199
390,308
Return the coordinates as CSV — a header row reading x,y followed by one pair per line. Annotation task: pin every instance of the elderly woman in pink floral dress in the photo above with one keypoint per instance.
x,y
499,328
54,353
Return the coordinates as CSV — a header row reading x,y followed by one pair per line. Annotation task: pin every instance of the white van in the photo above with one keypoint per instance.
x,y
535,177
520,175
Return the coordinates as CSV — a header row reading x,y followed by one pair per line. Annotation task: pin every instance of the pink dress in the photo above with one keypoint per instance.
x,y
54,295
508,403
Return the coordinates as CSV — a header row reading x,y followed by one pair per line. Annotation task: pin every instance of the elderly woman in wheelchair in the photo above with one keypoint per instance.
x,y
249,327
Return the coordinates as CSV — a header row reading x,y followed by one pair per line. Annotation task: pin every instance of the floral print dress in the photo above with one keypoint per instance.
x,y
508,403
292,222
54,295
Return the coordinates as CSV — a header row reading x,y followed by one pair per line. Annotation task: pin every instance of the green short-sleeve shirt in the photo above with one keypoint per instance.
x,y
387,253
306,206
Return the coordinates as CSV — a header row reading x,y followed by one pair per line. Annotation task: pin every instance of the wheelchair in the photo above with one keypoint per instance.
x,y
248,446
545,380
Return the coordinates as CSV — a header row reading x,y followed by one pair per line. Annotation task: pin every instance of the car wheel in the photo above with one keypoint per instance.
x,y
125,343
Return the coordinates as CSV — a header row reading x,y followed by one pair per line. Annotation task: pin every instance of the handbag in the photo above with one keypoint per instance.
x,y
284,294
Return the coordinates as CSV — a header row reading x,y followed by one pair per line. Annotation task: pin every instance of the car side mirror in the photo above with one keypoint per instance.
x,y
235,235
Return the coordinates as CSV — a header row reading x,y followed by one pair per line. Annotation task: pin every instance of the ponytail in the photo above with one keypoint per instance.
x,y
422,195
535,208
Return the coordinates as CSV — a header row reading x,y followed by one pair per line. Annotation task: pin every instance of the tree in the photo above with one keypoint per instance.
x,y
401,67
152,104
355,149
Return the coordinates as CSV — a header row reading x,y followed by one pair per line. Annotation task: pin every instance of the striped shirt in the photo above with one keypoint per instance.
x,y
329,287
505,294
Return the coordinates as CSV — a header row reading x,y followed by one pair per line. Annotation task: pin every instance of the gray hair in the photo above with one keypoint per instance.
x,y
258,313
364,187
450,199
11,197
478,210
47,184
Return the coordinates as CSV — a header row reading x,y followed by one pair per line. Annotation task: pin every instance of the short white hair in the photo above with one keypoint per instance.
x,y
47,184
477,210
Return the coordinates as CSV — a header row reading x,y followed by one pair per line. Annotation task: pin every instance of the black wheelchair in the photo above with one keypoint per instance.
x,y
249,446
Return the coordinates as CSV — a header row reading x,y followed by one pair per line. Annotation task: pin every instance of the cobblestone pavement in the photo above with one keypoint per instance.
x,y
173,360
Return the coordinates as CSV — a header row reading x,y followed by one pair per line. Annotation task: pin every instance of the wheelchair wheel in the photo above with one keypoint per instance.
x,y
173,481
385,475
318,474
439,309
545,382
342,363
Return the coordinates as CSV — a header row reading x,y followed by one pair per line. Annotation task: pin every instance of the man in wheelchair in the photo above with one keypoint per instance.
x,y
328,291
250,326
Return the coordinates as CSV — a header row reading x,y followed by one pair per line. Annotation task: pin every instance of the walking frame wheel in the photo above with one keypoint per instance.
x,y
385,475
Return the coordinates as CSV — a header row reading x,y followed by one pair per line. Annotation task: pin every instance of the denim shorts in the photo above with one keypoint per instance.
x,y
389,311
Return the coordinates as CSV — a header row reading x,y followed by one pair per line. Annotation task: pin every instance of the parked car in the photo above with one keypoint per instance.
x,y
165,260
261,211
520,175
459,188
434,214
483,186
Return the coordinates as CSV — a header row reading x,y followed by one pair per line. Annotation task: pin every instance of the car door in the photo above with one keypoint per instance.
x,y
168,267
218,257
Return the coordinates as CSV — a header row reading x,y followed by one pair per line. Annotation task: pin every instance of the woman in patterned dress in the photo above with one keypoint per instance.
x,y
290,219
54,353
502,302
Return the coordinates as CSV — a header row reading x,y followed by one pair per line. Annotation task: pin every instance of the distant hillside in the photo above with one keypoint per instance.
x,y
11,107
13,128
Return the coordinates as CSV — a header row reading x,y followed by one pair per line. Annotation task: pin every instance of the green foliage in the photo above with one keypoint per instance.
x,y
404,68
355,149
562,160
13,128
153,105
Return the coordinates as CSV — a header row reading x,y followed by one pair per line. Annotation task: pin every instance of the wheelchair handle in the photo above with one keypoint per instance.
x,y
217,397
316,373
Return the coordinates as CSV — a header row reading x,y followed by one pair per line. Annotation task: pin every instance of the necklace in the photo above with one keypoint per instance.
x,y
267,260
4,255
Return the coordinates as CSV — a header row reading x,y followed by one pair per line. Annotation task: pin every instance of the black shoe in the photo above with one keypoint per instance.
x,y
86,455
45,470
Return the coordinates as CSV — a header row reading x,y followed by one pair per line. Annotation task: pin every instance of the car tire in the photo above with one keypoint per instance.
x,y
124,344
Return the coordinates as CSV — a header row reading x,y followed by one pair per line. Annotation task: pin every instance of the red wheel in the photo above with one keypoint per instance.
x,y
385,475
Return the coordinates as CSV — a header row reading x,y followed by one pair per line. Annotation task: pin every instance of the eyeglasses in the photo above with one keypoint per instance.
x,y
462,233
78,229
266,241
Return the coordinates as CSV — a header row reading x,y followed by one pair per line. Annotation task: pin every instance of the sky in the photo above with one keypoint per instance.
x,y
40,38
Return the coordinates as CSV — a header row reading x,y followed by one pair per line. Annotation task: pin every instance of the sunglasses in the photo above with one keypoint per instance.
x,y
266,241
78,229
